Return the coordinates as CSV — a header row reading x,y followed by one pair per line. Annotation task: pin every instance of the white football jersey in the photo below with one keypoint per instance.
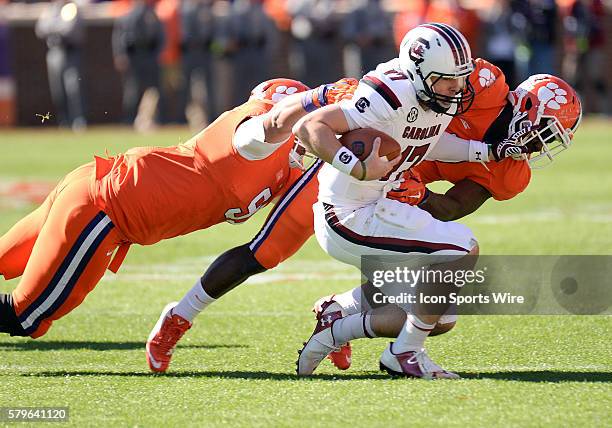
x,y
384,100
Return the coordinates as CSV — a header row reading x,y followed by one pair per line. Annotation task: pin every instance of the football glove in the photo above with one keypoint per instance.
x,y
410,190
514,147
342,89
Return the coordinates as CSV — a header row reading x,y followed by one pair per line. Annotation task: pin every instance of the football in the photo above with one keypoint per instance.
x,y
360,141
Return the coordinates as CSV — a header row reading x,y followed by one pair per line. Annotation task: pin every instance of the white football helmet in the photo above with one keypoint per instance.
x,y
552,108
433,51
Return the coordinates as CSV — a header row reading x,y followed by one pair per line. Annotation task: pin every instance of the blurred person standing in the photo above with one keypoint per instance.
x,y
61,26
584,42
197,92
366,30
223,48
451,12
501,41
541,18
138,38
315,30
256,38
277,11
170,59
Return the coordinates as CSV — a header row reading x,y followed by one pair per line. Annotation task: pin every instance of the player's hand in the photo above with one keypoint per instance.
x,y
342,89
375,166
514,146
410,190
518,145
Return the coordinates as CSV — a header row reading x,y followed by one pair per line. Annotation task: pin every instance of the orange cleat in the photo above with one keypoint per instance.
x,y
164,337
342,358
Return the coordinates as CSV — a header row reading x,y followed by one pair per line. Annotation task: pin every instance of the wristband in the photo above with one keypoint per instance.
x,y
478,151
345,160
425,197
314,99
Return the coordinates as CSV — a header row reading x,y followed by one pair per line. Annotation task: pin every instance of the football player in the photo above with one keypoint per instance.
x,y
543,102
62,249
288,226
413,99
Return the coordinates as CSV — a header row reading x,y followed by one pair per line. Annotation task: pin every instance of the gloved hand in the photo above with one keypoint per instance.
x,y
411,189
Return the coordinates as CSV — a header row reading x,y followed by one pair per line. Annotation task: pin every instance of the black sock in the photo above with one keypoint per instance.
x,y
9,323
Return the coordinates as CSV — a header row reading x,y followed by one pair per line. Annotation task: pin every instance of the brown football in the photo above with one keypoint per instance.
x,y
360,141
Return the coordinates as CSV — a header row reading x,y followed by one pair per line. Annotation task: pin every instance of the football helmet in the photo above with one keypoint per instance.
x,y
552,109
276,89
435,51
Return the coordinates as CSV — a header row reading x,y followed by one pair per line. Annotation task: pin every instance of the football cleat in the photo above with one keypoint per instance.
x,y
164,337
321,342
341,358
412,364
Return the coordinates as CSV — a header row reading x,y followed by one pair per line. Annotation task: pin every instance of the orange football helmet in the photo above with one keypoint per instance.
x,y
276,89
552,108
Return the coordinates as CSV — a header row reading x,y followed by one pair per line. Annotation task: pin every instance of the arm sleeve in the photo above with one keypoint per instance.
x,y
249,140
451,148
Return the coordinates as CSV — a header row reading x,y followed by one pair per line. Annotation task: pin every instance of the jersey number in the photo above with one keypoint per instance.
x,y
395,75
235,215
413,155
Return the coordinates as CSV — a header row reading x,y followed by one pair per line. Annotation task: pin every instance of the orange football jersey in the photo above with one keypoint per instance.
x,y
154,193
504,179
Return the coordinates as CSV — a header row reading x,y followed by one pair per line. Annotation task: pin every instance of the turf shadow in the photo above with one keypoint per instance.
x,y
543,376
246,375
38,345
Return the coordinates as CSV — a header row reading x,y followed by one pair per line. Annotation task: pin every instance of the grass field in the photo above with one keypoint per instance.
x,y
236,366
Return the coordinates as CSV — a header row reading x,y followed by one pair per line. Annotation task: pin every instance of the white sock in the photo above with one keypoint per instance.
x,y
356,326
193,302
350,301
413,335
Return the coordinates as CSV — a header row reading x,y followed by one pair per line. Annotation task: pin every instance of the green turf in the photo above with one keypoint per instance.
x,y
236,365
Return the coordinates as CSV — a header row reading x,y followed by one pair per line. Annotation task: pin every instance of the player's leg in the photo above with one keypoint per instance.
x,y
16,244
286,229
375,230
72,251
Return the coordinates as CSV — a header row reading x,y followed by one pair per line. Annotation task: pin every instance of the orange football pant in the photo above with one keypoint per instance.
x,y
290,223
60,250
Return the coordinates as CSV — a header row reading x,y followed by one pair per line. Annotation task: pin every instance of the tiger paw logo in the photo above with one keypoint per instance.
x,y
282,91
552,96
486,77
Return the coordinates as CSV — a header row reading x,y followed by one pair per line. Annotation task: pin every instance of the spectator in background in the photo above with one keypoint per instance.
x,y
168,13
7,86
224,46
197,93
366,30
138,38
317,52
584,64
256,38
540,18
277,11
501,41
61,26
451,12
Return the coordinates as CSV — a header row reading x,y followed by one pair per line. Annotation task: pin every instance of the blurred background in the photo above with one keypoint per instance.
x,y
155,62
